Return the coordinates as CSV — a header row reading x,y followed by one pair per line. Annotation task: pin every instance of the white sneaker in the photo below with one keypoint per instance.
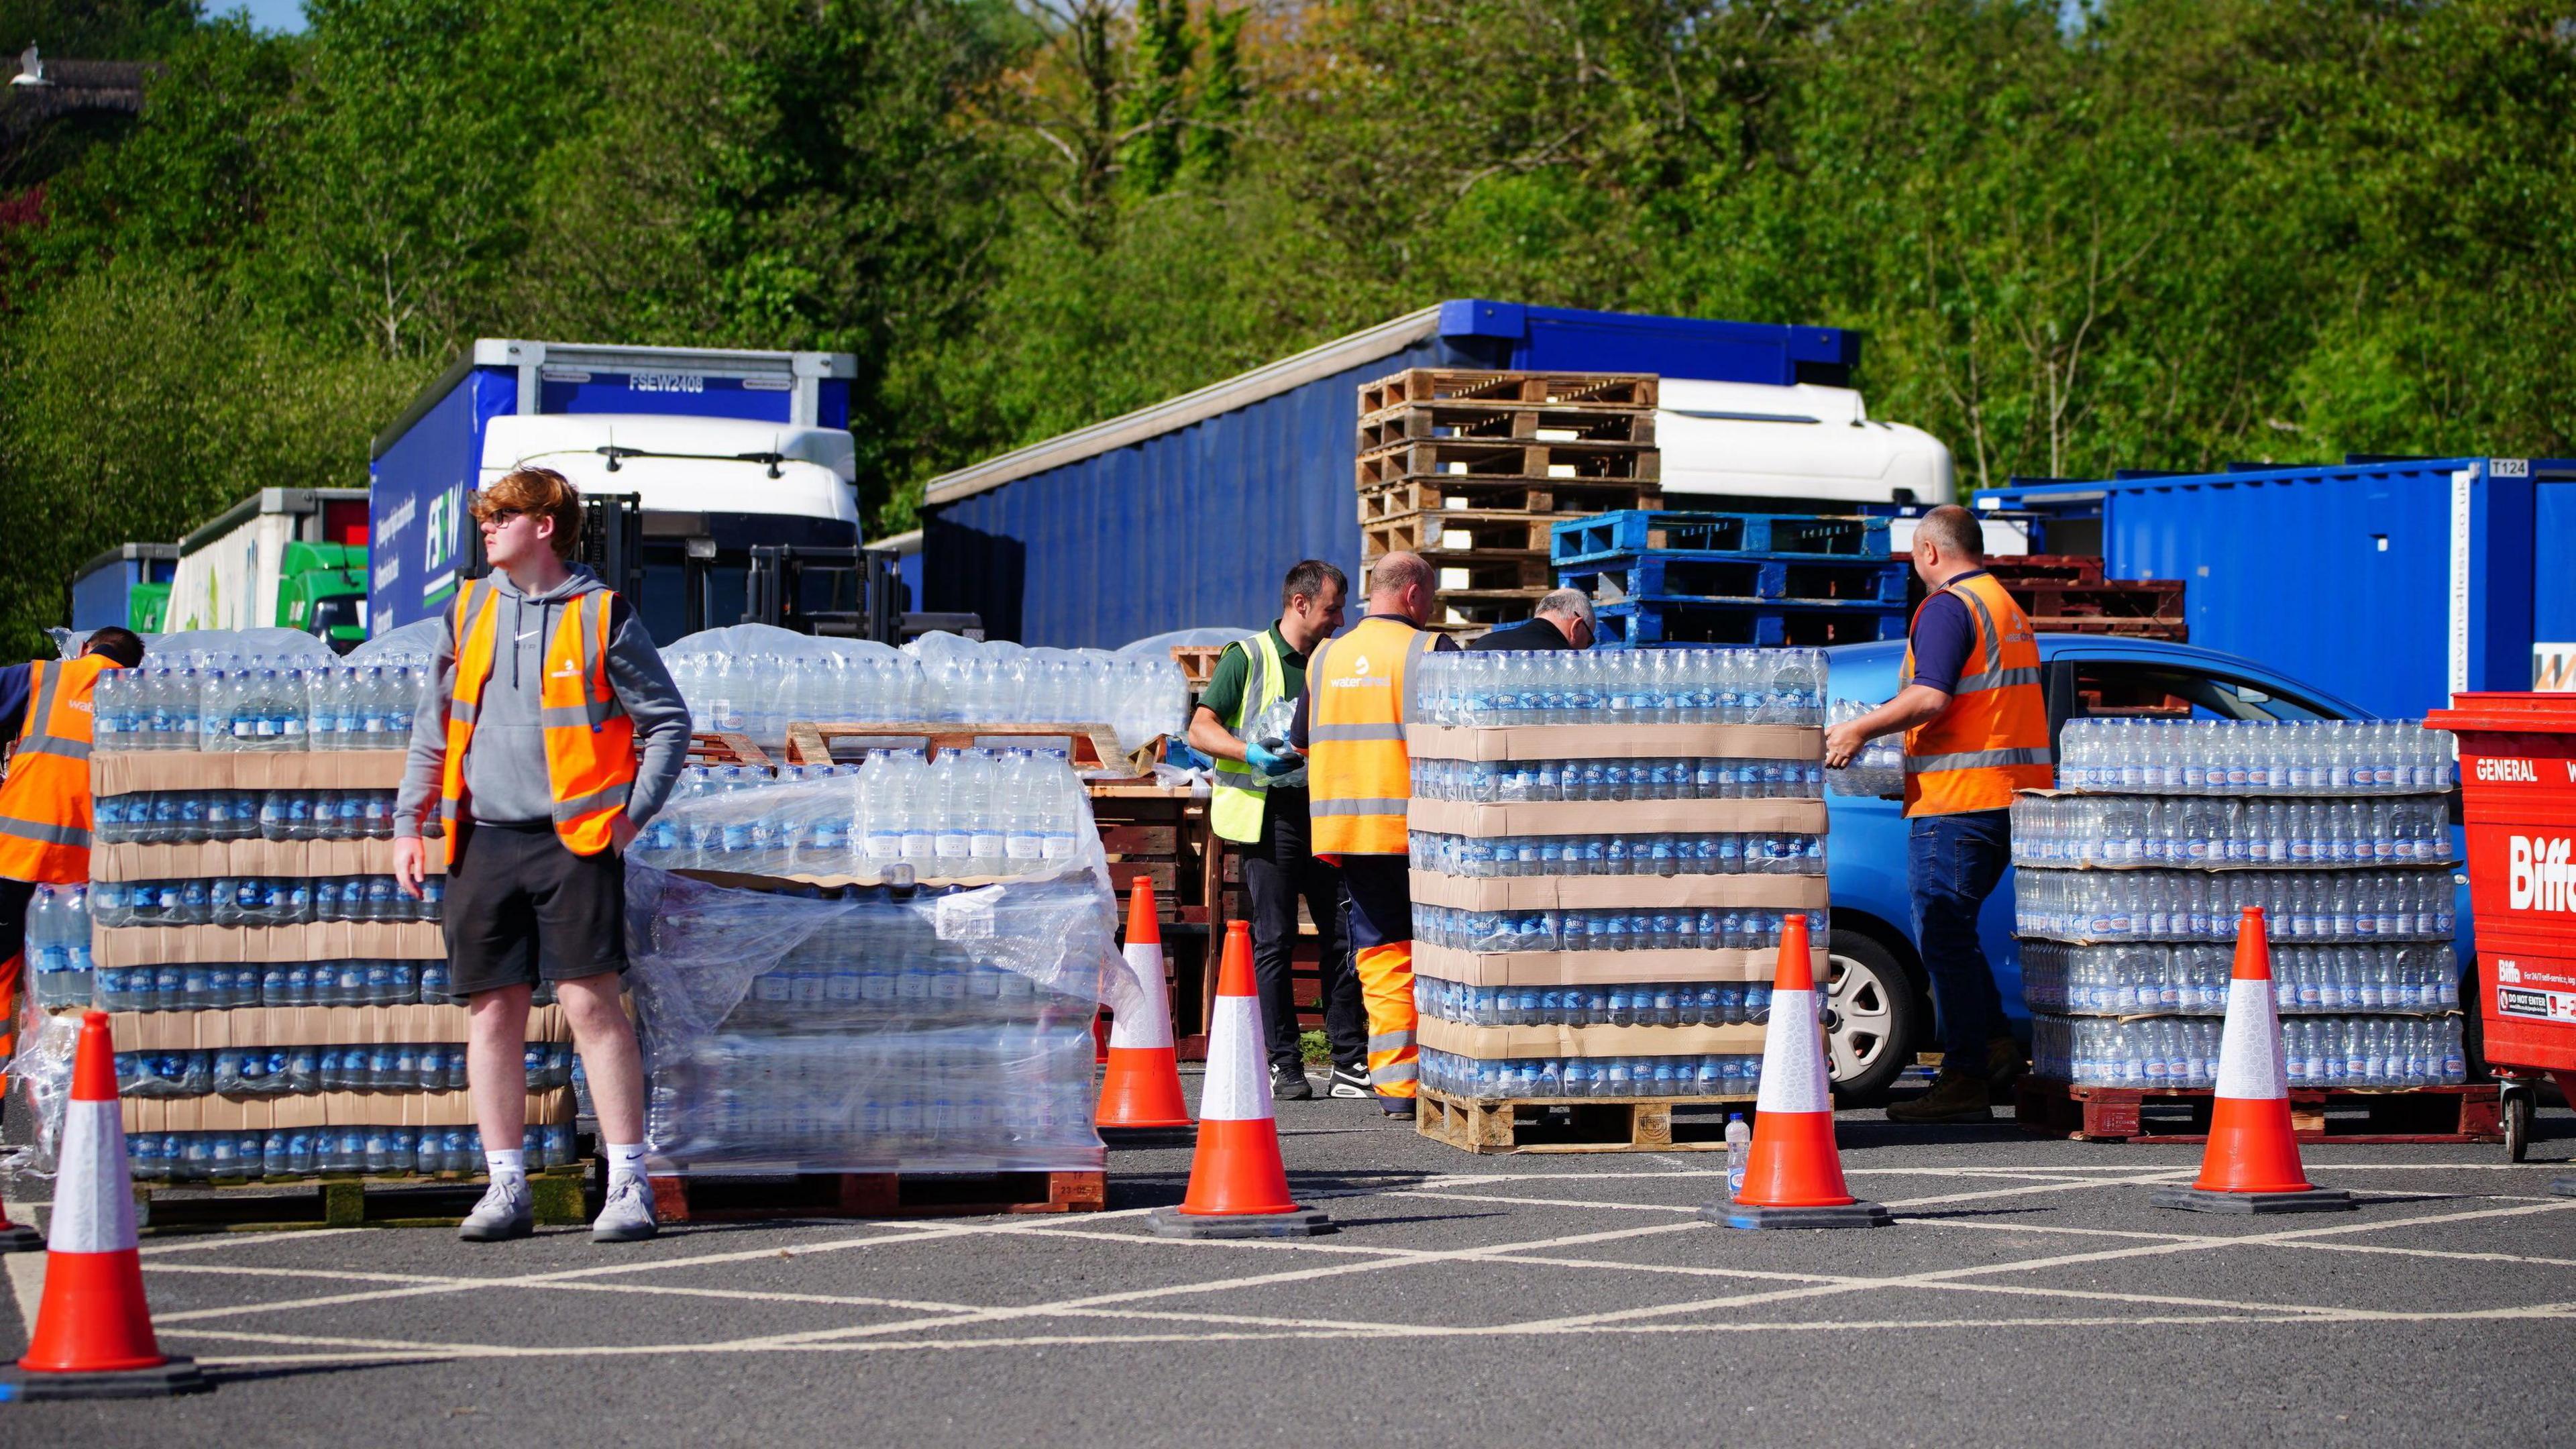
x,y
505,1211
627,1216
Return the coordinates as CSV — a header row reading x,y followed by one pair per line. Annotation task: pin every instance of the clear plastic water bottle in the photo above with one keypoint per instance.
x,y
1739,1153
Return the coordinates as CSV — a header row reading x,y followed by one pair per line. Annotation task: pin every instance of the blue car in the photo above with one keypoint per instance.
x,y
1880,1009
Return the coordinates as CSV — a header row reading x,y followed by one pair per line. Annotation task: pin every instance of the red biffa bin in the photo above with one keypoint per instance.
x,y
2518,794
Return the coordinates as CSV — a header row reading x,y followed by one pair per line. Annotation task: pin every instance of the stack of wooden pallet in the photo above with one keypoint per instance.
x,y
2068,594
1470,469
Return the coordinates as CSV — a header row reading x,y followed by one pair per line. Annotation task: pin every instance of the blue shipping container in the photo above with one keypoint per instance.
x,y
2393,584
427,460
99,592
1186,514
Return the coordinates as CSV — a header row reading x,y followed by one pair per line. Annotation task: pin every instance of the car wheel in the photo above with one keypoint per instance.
x,y
1871,1018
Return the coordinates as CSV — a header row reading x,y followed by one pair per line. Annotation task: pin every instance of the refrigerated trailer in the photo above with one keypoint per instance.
x,y
724,451
291,558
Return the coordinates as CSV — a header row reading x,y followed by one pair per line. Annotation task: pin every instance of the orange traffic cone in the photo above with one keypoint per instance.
x,y
2251,1164
1142,1088
1238,1185
1794,1178
93,1336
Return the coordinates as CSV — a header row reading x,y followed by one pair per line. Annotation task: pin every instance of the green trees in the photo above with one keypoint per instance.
x,y
2131,233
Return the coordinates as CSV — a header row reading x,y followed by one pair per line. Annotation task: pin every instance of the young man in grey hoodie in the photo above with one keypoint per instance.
x,y
563,759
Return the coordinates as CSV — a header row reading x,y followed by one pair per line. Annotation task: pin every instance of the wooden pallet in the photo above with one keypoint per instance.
x,y
1526,422
1095,746
2032,568
2173,629
1198,662
2159,600
1488,531
1464,572
1484,608
683,1199
1588,1124
283,1204
1529,462
726,749
1562,497
2359,1115
1454,384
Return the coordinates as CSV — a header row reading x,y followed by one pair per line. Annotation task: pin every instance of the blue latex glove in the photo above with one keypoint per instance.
x,y
1268,763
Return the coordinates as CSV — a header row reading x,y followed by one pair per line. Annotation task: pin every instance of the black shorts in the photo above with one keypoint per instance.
x,y
521,906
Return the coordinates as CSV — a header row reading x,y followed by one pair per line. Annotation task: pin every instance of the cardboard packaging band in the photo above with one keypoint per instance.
x,y
1617,817
240,945
124,774
1617,892
329,1109
1614,742
1597,968
268,1026
1497,1043
136,860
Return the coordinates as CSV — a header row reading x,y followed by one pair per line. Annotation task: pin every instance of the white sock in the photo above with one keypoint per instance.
x,y
625,1161
505,1163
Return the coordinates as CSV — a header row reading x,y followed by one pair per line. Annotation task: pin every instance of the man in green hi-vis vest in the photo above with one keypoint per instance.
x,y
1259,802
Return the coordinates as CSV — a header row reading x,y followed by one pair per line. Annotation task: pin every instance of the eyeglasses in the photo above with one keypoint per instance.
x,y
498,517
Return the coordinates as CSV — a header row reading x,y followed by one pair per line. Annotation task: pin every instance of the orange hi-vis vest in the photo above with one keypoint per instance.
x,y
45,808
1993,737
1358,777
590,741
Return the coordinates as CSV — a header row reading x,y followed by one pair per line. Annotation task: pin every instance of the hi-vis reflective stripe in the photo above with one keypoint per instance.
x,y
93,1203
1993,641
1975,760
1995,679
1357,807
2249,1053
582,805
1236,1090
44,834
1390,1041
1793,1058
43,709
48,745
1407,1070
1350,732
1150,1025
590,715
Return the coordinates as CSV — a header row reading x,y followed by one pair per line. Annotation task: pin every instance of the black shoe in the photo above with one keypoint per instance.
x,y
1350,1082
2004,1061
1955,1097
1397,1107
1289,1084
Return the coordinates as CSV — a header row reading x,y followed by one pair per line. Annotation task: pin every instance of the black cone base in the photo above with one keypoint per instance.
x,y
20,1238
172,1376
1729,1213
1303,1223
2314,1200
1184,1135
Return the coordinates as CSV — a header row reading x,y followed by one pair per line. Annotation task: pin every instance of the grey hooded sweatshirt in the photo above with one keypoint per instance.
x,y
505,767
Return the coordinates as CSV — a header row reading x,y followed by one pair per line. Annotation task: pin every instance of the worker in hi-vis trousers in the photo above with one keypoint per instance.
x,y
1359,778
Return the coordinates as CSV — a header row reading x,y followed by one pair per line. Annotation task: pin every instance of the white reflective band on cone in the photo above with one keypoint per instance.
x,y
1152,1026
1793,1062
1238,1087
93,1200
2249,1054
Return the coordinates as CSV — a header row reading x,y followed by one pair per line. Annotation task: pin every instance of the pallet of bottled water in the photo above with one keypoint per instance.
x,y
967,815
2181,1054
2254,757
2160,978
754,680
258,704
865,1028
1604,848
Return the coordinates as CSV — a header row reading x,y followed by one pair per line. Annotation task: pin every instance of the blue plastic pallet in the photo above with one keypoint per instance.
x,y
1771,535
1734,576
1648,623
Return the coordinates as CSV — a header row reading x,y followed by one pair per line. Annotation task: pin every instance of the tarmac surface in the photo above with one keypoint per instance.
x,y
2027,1294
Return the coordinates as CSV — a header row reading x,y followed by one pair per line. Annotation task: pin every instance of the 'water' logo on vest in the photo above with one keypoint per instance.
x,y
2538,877
1360,665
